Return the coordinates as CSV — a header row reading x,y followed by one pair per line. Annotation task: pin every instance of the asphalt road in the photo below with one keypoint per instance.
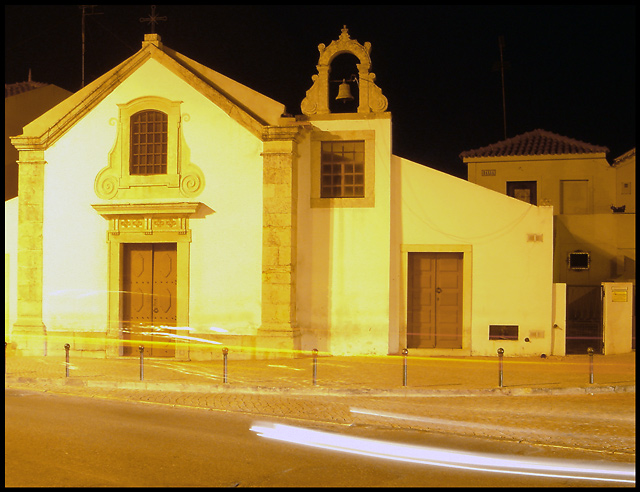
x,y
61,440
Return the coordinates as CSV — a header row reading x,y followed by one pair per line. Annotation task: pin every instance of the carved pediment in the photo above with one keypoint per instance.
x,y
148,218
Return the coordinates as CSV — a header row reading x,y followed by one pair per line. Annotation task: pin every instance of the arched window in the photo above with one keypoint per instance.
x,y
144,161
148,143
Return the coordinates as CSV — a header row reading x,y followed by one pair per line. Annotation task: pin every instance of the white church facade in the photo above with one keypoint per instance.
x,y
167,205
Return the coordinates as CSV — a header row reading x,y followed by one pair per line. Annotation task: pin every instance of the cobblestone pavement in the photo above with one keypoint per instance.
x,y
545,403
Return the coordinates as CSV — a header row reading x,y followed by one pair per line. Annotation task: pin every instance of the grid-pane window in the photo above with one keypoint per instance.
x,y
527,191
342,169
149,143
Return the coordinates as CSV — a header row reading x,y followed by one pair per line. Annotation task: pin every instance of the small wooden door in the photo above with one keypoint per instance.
x,y
149,298
434,303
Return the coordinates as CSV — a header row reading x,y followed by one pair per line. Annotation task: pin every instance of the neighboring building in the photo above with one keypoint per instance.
x,y
594,215
167,203
23,102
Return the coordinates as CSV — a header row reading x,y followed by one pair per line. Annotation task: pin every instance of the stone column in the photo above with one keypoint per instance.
x,y
29,333
279,333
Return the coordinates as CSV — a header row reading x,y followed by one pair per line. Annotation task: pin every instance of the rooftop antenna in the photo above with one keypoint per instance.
x,y
502,66
153,19
85,14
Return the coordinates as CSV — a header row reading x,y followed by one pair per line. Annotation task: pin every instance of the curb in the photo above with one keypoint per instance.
x,y
319,391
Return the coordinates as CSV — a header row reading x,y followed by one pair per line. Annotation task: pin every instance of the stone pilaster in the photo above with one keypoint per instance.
x,y
29,333
279,331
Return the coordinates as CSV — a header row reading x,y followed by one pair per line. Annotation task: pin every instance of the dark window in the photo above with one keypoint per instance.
x,y
527,191
342,169
148,143
503,332
579,260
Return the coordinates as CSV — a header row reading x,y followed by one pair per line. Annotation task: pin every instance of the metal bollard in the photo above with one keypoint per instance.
x,y
225,351
405,352
590,352
500,354
141,349
66,348
314,352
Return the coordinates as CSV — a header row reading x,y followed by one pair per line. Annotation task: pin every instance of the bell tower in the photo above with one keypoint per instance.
x,y
371,99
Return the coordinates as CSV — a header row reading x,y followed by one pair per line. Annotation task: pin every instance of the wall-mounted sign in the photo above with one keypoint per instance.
x,y
618,294
488,172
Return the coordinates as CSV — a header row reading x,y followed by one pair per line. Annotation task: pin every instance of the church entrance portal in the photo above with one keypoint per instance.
x,y
149,298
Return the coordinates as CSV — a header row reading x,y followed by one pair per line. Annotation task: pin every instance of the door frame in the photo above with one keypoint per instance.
x,y
466,251
147,223
116,281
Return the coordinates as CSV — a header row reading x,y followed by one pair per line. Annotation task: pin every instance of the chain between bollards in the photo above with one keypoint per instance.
x,y
225,351
141,349
314,353
405,353
500,354
66,359
590,352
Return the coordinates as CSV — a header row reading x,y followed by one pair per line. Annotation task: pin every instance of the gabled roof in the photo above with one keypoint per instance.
x,y
536,142
257,112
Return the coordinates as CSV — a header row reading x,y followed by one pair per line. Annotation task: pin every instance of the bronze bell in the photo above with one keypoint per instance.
x,y
344,91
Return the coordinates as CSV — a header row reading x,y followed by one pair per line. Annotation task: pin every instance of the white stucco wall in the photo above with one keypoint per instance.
x,y
343,257
511,278
225,253
11,264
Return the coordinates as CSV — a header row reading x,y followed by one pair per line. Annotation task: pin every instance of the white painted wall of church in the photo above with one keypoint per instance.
x,y
511,276
226,249
343,258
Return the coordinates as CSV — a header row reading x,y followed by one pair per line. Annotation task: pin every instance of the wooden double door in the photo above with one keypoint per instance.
x,y
434,302
149,298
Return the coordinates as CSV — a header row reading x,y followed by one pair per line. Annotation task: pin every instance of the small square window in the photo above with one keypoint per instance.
x,y
523,190
579,260
342,169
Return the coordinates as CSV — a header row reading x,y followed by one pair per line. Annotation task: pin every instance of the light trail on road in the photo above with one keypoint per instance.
x,y
620,473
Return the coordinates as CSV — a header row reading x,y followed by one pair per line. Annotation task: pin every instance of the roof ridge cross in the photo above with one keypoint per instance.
x,y
153,19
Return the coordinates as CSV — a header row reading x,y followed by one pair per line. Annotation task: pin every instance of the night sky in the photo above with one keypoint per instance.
x,y
571,69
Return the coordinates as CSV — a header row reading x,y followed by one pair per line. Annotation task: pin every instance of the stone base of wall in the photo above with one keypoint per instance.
x,y
81,344
264,345
28,341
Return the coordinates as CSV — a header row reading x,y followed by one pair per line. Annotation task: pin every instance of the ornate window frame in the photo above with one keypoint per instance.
x,y
183,178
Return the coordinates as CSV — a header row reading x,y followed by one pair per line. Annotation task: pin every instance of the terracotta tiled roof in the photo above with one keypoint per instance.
x,y
20,87
536,142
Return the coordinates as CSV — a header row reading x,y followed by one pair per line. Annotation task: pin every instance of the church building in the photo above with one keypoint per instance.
x,y
168,206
